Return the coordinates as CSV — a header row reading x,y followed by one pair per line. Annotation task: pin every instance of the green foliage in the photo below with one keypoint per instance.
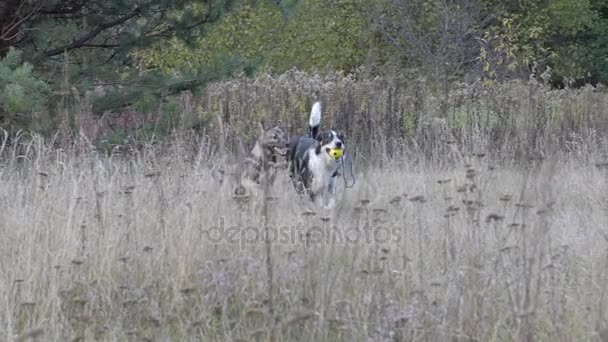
x,y
81,43
145,52
21,92
307,34
147,88
567,35
323,33
247,34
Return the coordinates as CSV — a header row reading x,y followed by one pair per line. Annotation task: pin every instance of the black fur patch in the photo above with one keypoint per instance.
x,y
298,171
323,139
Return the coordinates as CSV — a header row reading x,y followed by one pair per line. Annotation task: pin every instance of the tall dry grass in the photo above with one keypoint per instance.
x,y
146,246
382,117
386,117
477,216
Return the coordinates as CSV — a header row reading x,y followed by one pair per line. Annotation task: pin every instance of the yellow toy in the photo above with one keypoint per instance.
x,y
336,153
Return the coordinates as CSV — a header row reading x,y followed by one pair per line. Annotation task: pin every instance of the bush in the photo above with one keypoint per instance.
x,y
21,93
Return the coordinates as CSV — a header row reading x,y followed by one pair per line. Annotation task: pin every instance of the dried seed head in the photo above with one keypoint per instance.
x,y
453,208
240,191
536,156
602,165
31,335
187,290
79,300
258,334
308,213
395,201
301,317
470,174
242,199
418,198
494,217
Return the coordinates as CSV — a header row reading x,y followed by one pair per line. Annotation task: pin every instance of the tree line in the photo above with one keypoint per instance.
x,y
143,50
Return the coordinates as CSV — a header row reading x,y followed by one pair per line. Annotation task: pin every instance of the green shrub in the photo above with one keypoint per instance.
x,y
20,91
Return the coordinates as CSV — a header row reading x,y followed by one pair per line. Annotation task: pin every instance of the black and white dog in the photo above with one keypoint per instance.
x,y
315,159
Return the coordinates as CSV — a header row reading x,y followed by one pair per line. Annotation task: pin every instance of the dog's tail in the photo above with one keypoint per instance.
x,y
315,119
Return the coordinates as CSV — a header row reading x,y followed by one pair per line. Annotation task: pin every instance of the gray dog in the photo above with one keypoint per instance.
x,y
260,165
264,159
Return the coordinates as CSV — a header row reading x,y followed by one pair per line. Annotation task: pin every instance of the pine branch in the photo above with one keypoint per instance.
x,y
83,39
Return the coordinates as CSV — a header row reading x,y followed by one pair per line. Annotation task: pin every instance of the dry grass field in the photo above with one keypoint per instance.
x,y
435,242
147,247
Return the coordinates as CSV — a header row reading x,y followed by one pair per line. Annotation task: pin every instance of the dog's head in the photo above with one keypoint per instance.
x,y
275,141
331,143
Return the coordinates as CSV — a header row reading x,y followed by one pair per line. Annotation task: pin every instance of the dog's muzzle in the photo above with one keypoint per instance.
x,y
282,151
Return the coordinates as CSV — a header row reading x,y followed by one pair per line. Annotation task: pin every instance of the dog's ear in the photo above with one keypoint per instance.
x,y
319,137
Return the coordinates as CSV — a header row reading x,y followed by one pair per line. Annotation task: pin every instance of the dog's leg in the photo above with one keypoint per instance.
x,y
272,175
317,198
298,185
300,179
331,193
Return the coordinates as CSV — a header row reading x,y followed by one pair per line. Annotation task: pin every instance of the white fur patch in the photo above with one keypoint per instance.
x,y
315,115
322,167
